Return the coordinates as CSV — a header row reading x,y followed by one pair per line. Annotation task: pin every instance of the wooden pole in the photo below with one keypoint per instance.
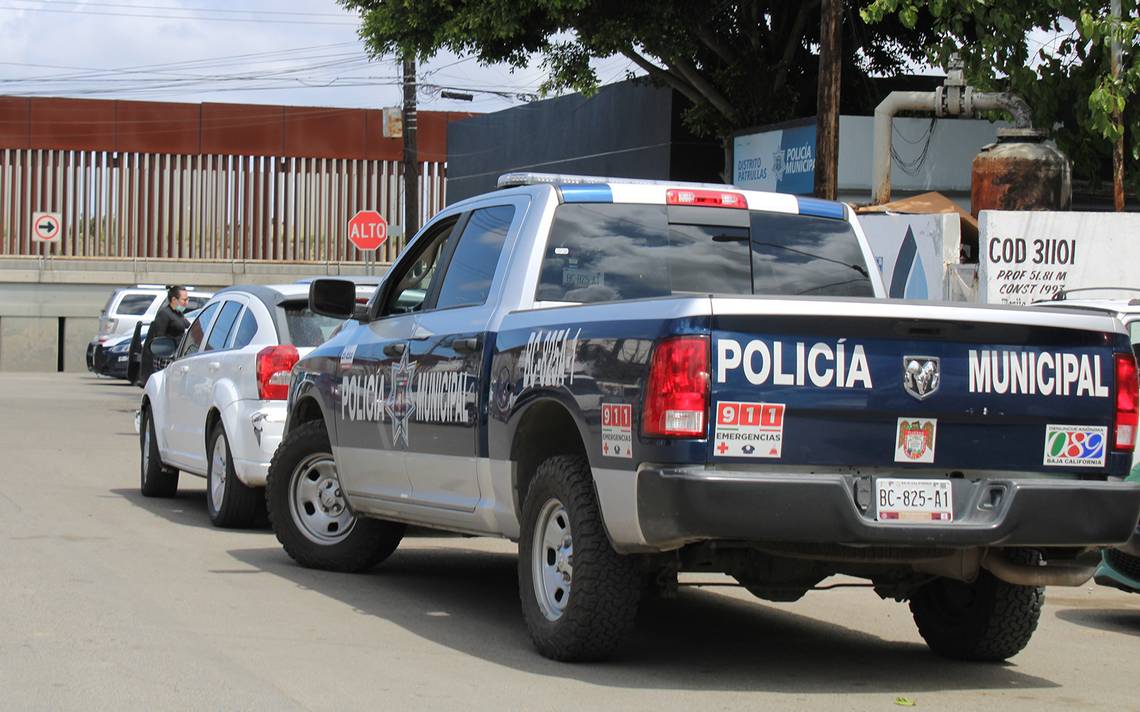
x,y
827,101
1118,119
411,168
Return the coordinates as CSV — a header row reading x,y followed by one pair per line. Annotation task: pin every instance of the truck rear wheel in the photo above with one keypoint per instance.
x,y
579,596
310,514
987,620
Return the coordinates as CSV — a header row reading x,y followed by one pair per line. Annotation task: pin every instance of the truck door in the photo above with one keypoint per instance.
x,y
378,374
448,349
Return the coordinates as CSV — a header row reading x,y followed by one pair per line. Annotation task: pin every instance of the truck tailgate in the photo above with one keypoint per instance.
x,y
901,385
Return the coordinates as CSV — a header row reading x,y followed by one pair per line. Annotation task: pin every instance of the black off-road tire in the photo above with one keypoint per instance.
x,y
240,502
605,587
367,541
155,479
988,620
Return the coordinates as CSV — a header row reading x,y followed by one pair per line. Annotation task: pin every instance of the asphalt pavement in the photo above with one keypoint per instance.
x,y
112,601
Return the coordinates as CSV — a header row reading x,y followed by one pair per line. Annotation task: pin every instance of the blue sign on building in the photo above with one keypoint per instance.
x,y
781,160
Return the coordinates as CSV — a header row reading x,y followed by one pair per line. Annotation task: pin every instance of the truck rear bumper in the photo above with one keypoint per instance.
x,y
676,506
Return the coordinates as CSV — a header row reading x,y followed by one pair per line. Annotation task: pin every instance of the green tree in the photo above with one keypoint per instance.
x,y
1065,79
741,64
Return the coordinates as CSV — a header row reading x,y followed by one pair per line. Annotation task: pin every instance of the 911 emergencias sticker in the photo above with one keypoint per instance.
x,y
617,430
1075,445
749,429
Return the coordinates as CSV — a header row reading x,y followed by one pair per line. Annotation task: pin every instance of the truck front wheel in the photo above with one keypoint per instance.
x,y
579,596
987,620
310,514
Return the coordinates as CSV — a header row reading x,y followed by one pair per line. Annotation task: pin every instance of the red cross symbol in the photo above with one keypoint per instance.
x,y
722,448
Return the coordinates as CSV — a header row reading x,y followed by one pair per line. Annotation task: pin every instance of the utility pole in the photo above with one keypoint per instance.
x,y
827,100
411,168
1117,118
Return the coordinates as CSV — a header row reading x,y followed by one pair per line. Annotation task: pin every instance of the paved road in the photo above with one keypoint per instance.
x,y
112,601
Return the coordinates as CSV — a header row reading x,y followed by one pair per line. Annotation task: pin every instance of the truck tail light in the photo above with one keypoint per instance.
x,y
705,198
677,392
1127,406
273,366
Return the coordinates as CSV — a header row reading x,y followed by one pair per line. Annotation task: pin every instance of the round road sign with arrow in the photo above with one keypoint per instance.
x,y
46,227
367,230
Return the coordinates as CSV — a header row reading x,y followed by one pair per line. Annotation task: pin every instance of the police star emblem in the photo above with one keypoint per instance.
x,y
400,403
921,376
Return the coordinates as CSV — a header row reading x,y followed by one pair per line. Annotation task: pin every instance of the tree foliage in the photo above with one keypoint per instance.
x,y
1055,54
741,64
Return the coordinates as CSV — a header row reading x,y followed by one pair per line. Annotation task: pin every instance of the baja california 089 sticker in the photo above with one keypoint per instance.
x,y
617,430
749,429
914,439
1075,445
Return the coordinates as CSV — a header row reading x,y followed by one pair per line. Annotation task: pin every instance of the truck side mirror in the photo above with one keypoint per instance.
x,y
333,297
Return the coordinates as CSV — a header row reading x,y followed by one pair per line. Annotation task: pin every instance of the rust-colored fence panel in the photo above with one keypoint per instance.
x,y
212,207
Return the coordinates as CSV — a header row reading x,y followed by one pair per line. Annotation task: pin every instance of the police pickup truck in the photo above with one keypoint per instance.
x,y
637,379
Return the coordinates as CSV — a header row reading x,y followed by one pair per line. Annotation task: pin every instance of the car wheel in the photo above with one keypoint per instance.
x,y
579,596
229,501
310,514
156,480
987,620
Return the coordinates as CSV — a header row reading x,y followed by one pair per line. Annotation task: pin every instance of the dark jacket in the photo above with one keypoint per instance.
x,y
166,323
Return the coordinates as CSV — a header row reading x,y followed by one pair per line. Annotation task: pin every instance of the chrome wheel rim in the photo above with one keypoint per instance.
x,y
552,559
317,503
219,469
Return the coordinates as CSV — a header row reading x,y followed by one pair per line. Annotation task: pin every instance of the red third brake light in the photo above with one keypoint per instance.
x,y
1127,404
273,366
677,393
705,198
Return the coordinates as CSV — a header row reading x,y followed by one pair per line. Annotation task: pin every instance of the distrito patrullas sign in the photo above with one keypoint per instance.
x,y
367,230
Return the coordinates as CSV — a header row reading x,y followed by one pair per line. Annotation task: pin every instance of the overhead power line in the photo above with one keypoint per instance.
x,y
202,18
179,7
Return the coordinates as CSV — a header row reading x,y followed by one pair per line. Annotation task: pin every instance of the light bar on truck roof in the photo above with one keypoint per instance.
x,y
603,189
513,180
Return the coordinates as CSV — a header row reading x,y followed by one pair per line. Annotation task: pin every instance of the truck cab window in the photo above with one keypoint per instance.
x,y
472,268
418,271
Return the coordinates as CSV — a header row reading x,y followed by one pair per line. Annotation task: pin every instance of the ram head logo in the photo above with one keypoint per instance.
x,y
921,376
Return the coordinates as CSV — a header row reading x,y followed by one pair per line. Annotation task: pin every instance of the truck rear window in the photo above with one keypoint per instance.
x,y
599,252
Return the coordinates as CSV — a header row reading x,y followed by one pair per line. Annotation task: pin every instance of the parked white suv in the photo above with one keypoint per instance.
x,y
217,411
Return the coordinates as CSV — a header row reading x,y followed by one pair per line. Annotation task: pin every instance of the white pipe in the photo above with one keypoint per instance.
x,y
895,102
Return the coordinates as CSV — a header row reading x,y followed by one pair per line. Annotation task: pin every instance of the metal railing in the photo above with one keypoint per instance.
x,y
210,207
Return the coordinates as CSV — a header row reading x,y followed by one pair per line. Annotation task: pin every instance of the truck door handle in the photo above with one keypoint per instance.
x,y
396,349
466,345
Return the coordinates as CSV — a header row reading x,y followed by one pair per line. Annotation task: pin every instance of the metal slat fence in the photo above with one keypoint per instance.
x,y
210,207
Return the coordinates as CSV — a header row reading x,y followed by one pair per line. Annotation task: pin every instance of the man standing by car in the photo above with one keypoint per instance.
x,y
168,322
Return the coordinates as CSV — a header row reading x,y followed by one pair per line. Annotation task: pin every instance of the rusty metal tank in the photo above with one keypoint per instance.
x,y
1021,171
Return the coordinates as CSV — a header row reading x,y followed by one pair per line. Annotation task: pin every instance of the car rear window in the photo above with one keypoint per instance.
x,y
600,252
135,304
304,327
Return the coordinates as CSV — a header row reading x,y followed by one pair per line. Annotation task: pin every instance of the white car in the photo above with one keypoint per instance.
x,y
217,411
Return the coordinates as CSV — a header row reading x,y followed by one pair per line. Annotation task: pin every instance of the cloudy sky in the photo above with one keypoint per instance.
x,y
297,52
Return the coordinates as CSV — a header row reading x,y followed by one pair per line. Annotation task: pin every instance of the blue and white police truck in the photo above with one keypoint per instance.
x,y
635,379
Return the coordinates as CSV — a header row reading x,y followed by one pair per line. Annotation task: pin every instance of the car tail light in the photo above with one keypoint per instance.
x,y
705,198
273,366
1127,404
677,393
109,327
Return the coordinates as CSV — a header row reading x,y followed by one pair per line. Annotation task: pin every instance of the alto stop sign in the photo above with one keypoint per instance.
x,y
367,230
